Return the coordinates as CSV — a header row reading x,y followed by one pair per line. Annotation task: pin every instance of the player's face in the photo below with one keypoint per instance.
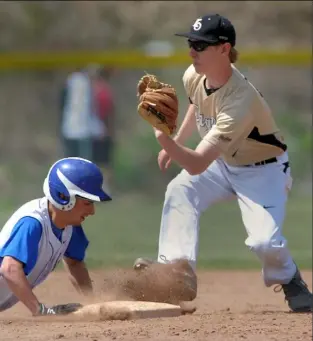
x,y
82,209
206,58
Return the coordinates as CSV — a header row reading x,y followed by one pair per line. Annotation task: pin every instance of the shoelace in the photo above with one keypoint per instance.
x,y
164,259
293,283
278,288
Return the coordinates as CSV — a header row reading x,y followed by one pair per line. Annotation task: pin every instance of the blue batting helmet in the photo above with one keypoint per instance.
x,y
72,177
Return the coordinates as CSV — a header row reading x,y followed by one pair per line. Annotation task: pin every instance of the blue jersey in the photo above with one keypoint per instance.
x,y
25,237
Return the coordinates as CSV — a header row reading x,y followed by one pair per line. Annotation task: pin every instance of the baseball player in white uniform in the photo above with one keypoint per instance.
x,y
241,155
43,231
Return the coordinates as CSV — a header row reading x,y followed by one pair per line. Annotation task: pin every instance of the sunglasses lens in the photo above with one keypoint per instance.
x,y
198,46
190,44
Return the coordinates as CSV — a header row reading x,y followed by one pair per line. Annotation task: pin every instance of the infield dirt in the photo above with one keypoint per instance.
x,y
231,306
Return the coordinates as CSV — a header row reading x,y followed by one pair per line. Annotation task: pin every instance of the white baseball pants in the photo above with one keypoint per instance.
x,y
262,194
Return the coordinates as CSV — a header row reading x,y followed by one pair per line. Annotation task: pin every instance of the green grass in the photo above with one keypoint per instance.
x,y
128,227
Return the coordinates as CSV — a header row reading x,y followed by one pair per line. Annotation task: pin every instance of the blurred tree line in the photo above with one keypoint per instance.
x,y
68,25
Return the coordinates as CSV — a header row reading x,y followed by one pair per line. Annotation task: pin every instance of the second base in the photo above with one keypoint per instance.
x,y
127,310
149,309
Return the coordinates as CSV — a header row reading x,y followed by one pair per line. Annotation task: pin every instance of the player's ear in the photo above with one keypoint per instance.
x,y
225,49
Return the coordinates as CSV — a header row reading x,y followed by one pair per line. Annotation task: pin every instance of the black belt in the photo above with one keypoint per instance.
x,y
262,163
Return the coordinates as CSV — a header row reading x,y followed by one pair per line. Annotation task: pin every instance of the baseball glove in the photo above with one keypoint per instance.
x,y
60,309
158,103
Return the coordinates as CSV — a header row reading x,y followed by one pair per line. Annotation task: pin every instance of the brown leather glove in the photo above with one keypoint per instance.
x,y
158,104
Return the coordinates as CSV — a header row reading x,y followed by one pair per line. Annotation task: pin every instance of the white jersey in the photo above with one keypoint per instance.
x,y
79,118
50,249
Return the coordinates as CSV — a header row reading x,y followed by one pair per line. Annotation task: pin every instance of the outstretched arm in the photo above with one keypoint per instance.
x,y
78,275
73,261
12,271
18,257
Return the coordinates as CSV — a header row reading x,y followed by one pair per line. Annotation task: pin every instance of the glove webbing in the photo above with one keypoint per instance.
x,y
157,113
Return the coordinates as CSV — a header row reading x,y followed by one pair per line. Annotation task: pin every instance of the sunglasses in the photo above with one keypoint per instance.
x,y
199,45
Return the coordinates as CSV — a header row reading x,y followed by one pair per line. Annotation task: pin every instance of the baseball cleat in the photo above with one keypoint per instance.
x,y
297,294
182,270
142,263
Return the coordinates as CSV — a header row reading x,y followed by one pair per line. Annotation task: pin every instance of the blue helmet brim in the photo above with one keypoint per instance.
x,y
103,196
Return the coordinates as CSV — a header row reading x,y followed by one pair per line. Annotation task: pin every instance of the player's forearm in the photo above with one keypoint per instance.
x,y
193,161
79,276
13,273
187,127
187,158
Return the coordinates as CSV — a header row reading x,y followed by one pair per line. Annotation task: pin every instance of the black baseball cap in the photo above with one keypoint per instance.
x,y
212,28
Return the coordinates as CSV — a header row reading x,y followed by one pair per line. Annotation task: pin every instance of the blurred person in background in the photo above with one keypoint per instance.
x,y
104,105
79,123
44,231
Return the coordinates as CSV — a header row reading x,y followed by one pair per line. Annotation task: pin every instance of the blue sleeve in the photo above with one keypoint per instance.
x,y
23,243
78,244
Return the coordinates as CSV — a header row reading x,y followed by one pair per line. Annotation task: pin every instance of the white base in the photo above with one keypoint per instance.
x,y
126,310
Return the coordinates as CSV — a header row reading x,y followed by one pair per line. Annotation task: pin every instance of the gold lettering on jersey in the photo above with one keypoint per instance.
x,y
205,122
